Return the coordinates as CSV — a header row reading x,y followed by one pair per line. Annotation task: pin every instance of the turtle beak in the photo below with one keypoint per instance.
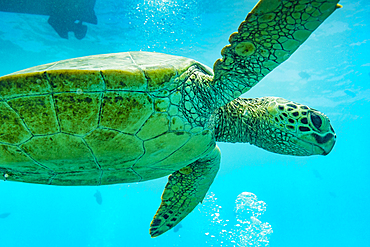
x,y
315,144
326,143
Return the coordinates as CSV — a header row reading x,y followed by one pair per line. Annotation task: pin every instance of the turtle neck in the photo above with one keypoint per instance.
x,y
238,121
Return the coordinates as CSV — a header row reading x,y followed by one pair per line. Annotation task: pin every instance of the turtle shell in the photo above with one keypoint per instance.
x,y
100,119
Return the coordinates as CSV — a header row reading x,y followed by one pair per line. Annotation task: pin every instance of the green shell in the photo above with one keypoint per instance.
x,y
100,119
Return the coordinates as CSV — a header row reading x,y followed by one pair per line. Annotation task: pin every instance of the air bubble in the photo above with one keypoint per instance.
x,y
79,91
246,229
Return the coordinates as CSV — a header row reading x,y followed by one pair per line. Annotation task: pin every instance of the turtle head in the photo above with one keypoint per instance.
x,y
295,129
275,124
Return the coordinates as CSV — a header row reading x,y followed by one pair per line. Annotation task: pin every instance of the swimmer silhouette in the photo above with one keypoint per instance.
x,y
65,15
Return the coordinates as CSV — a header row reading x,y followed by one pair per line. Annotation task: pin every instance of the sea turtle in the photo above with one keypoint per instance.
x,y
136,116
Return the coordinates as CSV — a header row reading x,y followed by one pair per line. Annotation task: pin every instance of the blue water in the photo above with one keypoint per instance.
x,y
310,201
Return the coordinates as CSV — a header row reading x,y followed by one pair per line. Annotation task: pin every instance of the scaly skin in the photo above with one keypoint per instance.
x,y
125,118
268,36
185,189
271,32
276,125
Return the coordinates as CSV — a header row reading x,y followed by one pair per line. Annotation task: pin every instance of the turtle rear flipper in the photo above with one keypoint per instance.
x,y
185,189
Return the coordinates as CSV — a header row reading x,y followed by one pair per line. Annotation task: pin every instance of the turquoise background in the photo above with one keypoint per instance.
x,y
311,201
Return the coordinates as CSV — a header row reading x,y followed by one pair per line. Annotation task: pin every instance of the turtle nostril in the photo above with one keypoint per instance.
x,y
316,120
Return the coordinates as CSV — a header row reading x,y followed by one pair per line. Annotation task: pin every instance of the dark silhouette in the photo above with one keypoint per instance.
x,y
65,15
177,227
4,215
350,93
98,197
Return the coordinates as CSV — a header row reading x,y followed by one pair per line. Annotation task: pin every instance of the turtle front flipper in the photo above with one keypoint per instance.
x,y
185,189
268,36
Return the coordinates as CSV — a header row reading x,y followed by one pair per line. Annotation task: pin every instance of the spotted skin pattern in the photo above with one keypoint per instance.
x,y
136,116
275,124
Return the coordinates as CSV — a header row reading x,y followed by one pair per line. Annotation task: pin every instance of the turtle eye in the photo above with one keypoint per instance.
x,y
316,120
